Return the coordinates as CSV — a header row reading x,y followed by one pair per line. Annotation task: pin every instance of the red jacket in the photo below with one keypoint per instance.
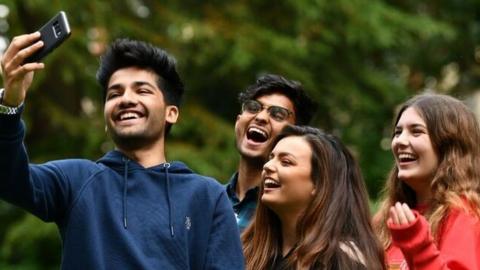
x,y
413,247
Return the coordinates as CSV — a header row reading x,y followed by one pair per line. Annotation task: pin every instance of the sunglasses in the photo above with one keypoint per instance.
x,y
277,113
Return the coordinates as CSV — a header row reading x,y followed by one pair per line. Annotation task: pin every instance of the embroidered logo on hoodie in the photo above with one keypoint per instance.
x,y
188,223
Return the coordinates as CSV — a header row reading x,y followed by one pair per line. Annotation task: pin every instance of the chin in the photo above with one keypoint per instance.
x,y
404,179
409,180
130,141
254,156
138,132
405,174
265,200
270,202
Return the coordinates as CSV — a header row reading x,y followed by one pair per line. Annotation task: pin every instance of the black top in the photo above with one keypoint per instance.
x,y
280,263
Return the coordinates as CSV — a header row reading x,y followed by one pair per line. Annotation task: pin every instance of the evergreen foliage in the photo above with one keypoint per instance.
x,y
357,58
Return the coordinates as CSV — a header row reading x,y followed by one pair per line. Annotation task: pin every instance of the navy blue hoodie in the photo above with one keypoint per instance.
x,y
116,214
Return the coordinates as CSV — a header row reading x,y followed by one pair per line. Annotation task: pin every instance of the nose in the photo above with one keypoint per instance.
x,y
268,166
400,140
128,98
262,115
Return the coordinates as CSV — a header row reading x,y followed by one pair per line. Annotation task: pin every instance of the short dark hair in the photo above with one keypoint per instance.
x,y
267,84
124,53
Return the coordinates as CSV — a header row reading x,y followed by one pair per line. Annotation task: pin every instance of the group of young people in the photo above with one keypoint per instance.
x,y
297,201
312,210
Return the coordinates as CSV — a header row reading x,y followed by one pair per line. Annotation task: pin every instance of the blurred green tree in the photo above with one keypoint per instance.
x,y
357,58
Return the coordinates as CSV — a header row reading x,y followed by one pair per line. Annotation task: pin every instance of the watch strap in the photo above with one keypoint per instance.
x,y
7,109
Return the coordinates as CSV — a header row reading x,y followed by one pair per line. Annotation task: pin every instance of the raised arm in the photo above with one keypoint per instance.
x,y
17,77
30,187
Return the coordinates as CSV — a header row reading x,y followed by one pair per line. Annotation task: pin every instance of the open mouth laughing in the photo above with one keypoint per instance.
x,y
126,116
129,115
270,183
406,158
257,135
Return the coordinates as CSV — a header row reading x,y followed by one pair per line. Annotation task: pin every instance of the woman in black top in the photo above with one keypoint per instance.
x,y
313,210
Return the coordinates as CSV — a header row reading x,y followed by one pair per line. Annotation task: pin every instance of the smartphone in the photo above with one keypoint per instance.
x,y
53,33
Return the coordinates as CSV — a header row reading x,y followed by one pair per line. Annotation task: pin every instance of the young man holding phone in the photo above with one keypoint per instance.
x,y
131,209
267,106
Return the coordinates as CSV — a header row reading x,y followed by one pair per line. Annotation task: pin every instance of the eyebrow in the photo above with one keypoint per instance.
x,y
135,84
285,154
271,105
412,126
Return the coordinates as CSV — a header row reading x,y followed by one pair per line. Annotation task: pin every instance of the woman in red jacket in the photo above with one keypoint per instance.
x,y
429,218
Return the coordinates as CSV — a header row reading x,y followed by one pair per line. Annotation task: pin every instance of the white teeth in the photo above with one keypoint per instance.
x,y
271,181
254,129
406,156
129,115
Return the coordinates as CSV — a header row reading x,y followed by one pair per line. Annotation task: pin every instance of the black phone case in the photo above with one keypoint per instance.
x,y
53,33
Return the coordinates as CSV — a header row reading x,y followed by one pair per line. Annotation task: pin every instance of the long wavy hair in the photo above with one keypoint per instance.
x,y
337,215
455,136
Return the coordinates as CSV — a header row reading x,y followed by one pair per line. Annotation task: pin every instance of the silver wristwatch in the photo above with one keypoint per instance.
x,y
7,109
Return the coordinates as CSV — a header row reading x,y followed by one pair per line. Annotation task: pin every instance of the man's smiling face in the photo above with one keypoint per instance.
x,y
255,132
135,110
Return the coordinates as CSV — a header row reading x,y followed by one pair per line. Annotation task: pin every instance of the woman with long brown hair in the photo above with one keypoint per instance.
x,y
429,218
313,210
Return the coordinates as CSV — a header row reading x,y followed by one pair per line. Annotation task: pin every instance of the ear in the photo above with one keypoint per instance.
x,y
171,114
314,192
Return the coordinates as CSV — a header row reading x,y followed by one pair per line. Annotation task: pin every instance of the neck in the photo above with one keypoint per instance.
x,y
147,156
423,197
422,189
249,176
289,233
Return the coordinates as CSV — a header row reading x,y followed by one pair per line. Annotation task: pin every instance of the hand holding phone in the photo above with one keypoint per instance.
x,y
53,33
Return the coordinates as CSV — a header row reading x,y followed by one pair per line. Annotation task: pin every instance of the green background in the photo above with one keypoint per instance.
x,y
358,58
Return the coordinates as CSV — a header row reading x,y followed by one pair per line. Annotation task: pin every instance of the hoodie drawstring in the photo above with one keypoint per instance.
x,y
125,178
170,206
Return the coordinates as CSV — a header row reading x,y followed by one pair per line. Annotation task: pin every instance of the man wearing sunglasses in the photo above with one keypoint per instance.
x,y
267,106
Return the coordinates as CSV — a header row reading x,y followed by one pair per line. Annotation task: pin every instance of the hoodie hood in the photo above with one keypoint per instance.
x,y
116,160
124,165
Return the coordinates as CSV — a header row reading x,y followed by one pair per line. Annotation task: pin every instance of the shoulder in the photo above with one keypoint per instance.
x,y
75,167
460,220
73,172
207,182
462,212
181,173
73,162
